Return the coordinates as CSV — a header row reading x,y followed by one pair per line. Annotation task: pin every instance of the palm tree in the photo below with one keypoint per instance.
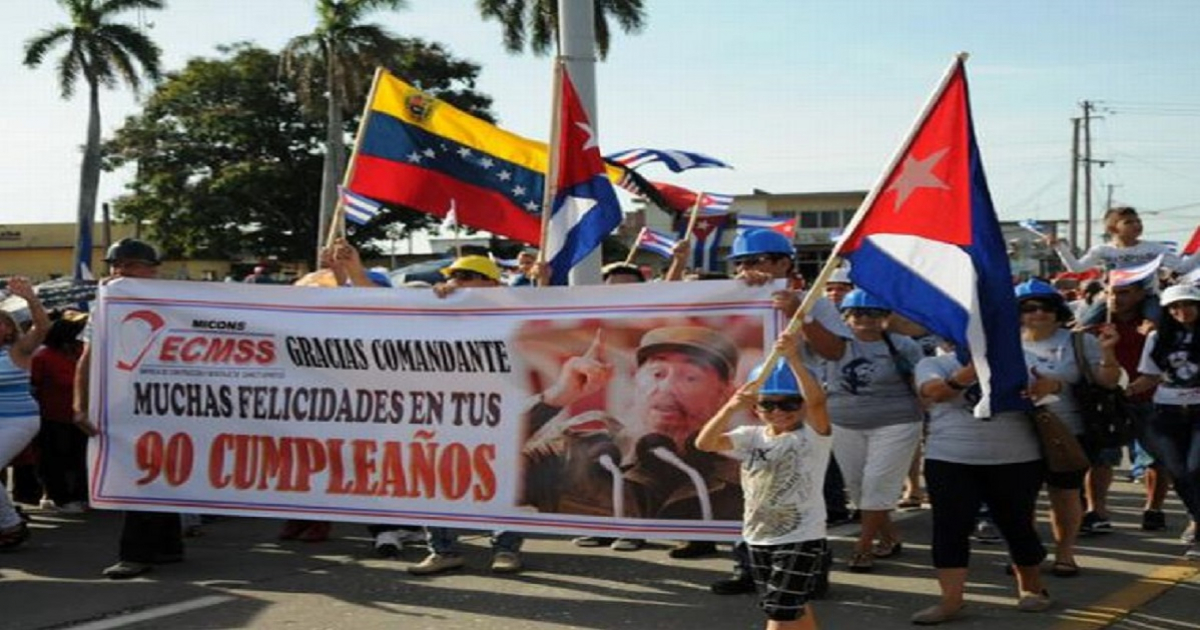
x,y
337,60
104,53
539,20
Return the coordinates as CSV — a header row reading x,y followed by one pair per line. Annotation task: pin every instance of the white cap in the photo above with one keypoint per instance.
x,y
1180,293
841,274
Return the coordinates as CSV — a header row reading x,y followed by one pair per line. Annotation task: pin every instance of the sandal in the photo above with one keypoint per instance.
x,y
909,503
14,536
887,548
1064,569
861,562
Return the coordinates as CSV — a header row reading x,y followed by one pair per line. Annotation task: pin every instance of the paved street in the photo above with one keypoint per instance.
x,y
238,575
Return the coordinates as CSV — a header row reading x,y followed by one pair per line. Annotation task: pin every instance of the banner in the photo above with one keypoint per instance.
x,y
563,410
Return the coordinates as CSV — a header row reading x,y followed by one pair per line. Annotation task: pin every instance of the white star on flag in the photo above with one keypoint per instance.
x,y
504,176
414,157
916,174
591,138
430,153
486,162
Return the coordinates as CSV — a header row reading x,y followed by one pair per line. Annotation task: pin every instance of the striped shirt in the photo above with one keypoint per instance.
x,y
16,401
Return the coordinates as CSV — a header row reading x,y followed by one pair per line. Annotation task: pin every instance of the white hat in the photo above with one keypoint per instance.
x,y
841,274
1180,293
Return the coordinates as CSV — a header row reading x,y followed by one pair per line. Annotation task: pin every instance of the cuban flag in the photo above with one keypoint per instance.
x,y
927,242
677,161
657,242
786,227
1031,225
585,207
705,238
359,210
1132,275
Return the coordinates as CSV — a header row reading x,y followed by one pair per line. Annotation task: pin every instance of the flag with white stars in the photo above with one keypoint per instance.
x,y
419,152
927,242
585,207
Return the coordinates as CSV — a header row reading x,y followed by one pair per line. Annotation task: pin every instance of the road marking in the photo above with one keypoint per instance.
x,y
1115,606
157,612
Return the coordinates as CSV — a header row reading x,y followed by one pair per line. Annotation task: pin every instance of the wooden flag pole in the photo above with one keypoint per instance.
x,y
337,223
550,189
633,250
694,216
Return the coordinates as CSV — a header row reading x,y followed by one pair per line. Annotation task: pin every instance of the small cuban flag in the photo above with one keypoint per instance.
x,y
359,210
656,242
1032,225
1132,275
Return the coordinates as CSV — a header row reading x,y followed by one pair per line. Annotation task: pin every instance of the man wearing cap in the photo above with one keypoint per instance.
x,y
621,273
147,538
684,374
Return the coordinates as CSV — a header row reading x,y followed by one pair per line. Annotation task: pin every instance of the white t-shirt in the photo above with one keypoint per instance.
x,y
782,480
1054,357
1110,256
1180,381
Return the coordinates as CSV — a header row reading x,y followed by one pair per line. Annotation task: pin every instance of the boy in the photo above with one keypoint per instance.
x,y
783,464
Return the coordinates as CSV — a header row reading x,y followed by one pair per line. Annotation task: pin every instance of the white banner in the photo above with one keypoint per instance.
x,y
566,410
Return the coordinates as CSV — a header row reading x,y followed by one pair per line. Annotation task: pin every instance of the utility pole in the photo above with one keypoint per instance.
x,y
1073,217
577,45
1087,174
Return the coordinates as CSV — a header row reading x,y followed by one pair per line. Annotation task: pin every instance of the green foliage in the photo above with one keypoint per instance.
x,y
229,163
537,22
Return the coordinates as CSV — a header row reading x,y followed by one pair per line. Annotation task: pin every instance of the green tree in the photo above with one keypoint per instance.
x,y
105,53
229,161
340,56
537,21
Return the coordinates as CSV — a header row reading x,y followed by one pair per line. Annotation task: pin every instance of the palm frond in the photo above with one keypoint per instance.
x,y
69,67
112,7
37,47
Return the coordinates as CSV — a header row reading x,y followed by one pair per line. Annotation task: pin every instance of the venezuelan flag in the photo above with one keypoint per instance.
x,y
420,152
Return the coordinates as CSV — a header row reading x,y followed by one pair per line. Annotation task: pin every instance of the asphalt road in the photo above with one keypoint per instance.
x,y
237,575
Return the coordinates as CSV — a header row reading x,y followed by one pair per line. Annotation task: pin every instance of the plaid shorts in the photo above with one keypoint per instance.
x,y
786,576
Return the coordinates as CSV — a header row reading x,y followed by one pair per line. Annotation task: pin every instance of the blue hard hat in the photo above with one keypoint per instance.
x,y
780,382
761,241
861,299
1036,289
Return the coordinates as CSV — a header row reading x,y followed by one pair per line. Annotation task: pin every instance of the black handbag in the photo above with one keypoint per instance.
x,y
1104,412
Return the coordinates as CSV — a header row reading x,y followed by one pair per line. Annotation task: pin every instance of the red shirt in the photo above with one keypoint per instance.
x,y
52,375
1129,353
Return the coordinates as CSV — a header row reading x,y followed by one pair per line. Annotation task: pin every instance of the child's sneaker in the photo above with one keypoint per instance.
x,y
986,533
1093,523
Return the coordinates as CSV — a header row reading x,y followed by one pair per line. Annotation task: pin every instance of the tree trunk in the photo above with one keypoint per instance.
x,y
89,184
331,175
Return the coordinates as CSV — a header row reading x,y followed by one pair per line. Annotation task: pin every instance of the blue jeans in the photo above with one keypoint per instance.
x,y
1173,437
444,541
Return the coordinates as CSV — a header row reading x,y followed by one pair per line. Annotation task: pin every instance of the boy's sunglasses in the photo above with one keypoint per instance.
x,y
754,261
781,405
868,312
1033,307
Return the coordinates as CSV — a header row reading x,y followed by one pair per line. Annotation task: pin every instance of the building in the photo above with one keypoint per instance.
x,y
822,216
44,251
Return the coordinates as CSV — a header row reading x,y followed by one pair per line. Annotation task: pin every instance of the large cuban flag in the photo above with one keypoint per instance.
x,y
927,242
585,208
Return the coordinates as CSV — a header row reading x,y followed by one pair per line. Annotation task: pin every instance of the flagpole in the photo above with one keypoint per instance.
x,y
550,189
835,260
337,223
695,214
633,250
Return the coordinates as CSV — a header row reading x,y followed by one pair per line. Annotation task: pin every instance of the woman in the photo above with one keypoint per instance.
x,y
18,410
968,462
1050,358
876,422
1171,360
62,446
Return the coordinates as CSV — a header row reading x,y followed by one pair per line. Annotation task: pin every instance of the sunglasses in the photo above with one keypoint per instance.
x,y
868,312
753,261
1033,307
793,404
464,275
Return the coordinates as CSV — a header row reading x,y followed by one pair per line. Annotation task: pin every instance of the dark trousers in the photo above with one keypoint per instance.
x,y
1173,437
834,491
62,465
956,492
151,536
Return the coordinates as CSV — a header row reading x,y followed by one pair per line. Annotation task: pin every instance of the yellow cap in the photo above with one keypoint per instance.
x,y
478,264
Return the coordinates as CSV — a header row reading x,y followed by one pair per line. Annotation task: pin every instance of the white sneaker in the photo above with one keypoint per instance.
x,y
436,563
387,544
411,536
506,562
48,505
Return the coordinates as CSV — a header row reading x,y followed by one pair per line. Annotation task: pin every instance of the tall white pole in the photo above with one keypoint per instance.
x,y
577,45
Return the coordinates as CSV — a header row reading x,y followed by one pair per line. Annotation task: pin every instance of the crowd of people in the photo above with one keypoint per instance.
x,y
860,403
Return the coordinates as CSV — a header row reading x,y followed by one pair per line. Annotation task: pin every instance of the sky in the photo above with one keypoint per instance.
x,y
797,95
